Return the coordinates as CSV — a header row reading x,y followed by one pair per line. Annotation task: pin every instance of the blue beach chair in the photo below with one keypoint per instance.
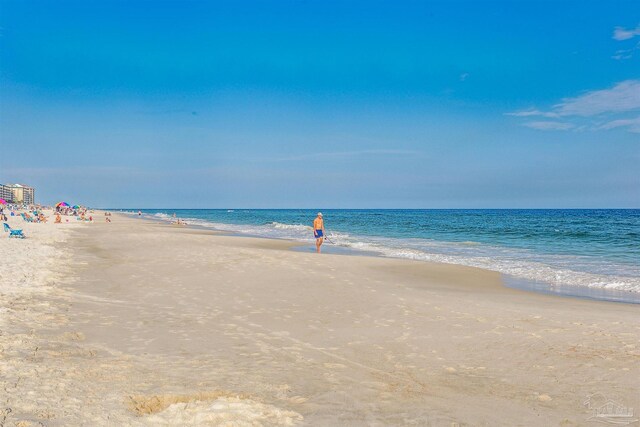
x,y
13,232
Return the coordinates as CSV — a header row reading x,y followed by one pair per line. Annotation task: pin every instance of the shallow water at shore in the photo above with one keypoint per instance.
x,y
600,294
579,250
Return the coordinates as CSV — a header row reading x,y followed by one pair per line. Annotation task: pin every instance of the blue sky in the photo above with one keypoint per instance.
x,y
322,104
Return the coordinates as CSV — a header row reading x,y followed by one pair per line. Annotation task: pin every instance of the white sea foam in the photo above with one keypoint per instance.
x,y
552,269
299,227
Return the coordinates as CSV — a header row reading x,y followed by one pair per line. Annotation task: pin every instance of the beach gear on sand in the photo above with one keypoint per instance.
x,y
13,232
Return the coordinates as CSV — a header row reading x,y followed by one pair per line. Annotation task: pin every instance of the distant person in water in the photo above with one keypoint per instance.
x,y
139,213
318,231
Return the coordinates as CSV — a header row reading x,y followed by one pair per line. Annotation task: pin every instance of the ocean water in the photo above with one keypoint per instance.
x,y
594,249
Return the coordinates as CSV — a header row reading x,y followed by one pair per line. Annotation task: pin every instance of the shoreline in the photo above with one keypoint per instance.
x,y
152,324
509,281
587,293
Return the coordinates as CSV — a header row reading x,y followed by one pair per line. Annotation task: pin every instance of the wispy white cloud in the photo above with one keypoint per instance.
x,y
632,125
549,125
622,54
464,76
621,33
624,97
533,113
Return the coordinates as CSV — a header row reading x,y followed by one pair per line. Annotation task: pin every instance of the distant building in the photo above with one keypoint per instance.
x,y
6,193
18,193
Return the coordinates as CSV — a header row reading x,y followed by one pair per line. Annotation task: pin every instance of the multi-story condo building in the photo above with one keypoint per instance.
x,y
6,193
18,193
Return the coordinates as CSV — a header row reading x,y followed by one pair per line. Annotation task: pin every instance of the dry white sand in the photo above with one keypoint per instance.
x,y
142,323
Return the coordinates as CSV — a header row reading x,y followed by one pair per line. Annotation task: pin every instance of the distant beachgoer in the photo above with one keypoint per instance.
x,y
108,219
58,218
139,213
318,231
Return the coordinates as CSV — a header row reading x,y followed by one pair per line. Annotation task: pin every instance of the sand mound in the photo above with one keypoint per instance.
x,y
145,405
216,408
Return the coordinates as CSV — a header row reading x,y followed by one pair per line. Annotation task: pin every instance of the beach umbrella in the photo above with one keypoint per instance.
x,y
76,206
3,202
63,205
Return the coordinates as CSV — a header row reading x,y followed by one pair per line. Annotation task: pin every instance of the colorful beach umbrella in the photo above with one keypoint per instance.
x,y
76,206
63,205
3,202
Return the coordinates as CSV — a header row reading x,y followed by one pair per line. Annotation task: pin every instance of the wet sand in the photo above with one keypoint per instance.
x,y
144,323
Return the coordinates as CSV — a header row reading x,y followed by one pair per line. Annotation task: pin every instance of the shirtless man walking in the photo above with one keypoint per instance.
x,y
318,231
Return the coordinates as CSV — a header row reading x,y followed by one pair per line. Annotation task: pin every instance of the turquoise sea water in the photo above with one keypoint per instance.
x,y
595,249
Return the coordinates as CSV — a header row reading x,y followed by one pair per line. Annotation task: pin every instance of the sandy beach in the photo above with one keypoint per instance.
x,y
137,322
